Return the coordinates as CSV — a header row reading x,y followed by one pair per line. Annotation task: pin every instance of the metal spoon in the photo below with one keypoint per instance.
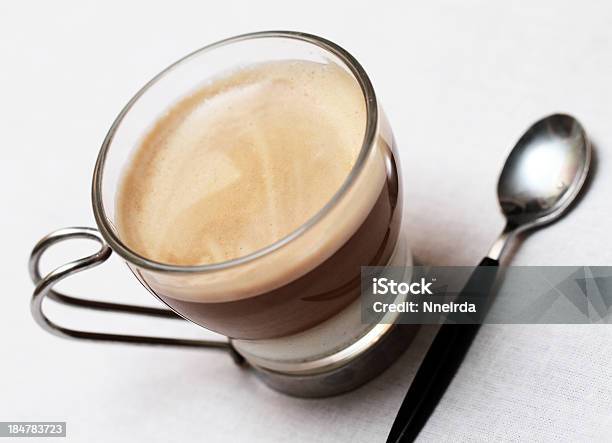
x,y
541,178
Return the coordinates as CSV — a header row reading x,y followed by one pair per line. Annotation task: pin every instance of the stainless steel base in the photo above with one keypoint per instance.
x,y
342,371
353,374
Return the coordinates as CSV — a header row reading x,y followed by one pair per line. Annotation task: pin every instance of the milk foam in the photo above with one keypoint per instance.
x,y
241,163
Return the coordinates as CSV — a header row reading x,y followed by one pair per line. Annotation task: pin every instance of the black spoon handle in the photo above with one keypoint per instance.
x,y
441,362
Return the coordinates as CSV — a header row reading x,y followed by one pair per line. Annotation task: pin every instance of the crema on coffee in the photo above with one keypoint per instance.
x,y
241,163
271,151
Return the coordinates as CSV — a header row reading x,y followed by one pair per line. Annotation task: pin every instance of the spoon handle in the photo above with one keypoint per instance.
x,y
441,362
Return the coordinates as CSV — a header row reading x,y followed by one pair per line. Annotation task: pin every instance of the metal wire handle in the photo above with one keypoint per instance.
x,y
44,288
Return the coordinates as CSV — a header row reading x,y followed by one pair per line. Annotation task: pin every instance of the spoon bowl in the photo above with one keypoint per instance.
x,y
544,172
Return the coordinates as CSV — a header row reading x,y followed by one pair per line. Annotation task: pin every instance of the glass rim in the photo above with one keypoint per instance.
x,y
369,95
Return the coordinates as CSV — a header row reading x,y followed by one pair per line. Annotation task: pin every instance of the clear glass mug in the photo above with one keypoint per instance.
x,y
302,313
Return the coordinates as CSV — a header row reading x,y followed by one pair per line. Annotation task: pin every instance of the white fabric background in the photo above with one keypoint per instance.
x,y
460,81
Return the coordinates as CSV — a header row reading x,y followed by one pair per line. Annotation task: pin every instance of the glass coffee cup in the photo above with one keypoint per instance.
x,y
291,309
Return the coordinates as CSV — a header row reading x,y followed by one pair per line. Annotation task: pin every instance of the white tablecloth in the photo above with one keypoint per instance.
x,y
460,82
